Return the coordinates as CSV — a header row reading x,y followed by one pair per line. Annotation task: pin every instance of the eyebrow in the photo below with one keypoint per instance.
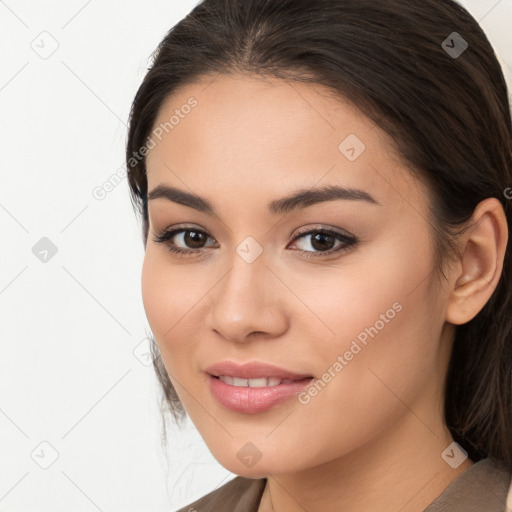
x,y
299,199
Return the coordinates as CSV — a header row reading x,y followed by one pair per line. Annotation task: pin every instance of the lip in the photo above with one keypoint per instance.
x,y
249,400
253,370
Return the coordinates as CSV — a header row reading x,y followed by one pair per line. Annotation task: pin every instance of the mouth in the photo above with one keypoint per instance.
x,y
241,397
253,387
261,382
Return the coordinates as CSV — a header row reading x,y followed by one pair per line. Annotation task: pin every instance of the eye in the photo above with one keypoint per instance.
x,y
193,240
324,241
190,241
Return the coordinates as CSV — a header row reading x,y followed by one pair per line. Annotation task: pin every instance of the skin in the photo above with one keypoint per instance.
x,y
372,438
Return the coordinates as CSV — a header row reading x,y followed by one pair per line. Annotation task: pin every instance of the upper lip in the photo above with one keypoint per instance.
x,y
253,370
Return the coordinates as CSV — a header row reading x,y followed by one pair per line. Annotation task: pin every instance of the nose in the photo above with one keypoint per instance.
x,y
248,302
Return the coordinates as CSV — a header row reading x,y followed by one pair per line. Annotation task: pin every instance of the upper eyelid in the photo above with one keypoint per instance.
x,y
309,229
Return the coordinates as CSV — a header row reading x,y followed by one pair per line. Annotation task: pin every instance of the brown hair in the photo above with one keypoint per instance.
x,y
448,114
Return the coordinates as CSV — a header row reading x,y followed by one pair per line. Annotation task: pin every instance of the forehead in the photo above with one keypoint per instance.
x,y
246,134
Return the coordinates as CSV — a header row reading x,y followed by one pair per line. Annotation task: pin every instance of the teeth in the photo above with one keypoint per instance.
x,y
254,383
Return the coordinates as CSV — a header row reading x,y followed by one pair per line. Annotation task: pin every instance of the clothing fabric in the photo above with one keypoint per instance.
x,y
483,487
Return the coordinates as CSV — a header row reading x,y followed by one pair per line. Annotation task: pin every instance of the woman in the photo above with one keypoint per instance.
x,y
323,189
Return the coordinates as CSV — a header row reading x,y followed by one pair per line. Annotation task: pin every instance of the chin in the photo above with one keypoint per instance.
x,y
262,468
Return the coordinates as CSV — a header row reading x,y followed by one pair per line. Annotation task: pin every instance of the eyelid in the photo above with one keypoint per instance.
x,y
320,227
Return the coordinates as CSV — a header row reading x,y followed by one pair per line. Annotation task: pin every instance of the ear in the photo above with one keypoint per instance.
x,y
479,270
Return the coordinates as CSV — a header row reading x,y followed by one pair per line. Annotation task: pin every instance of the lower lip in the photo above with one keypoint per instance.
x,y
253,400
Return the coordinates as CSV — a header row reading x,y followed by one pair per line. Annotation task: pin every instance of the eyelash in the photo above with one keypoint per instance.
x,y
349,242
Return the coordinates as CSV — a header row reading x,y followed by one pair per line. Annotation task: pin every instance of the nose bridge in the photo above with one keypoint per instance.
x,y
243,286
245,299
248,267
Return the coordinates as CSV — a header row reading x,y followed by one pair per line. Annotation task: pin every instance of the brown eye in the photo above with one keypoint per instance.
x,y
323,242
194,239
184,241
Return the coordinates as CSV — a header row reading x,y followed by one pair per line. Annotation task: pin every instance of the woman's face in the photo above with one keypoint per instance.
x,y
366,322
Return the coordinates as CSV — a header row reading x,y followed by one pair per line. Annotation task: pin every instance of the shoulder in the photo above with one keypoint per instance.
x,y
238,495
483,486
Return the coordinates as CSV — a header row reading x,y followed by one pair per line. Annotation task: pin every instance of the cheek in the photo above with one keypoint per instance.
x,y
166,295
381,322
161,294
388,341
367,294
172,295
154,295
370,388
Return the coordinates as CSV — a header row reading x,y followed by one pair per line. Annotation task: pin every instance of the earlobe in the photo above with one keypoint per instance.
x,y
481,263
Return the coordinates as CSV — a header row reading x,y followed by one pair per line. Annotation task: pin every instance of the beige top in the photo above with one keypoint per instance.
x,y
482,487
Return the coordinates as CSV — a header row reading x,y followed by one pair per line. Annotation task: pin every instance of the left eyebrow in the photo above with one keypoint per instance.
x,y
307,197
299,199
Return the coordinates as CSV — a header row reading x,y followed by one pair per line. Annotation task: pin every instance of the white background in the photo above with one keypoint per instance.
x,y
69,376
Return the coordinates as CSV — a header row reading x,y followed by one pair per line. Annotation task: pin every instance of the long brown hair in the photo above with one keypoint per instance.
x,y
444,104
